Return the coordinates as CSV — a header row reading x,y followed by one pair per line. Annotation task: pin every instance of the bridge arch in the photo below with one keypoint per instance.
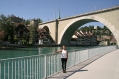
x,y
73,25
47,29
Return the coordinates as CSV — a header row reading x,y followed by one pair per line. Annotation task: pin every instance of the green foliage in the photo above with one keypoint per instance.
x,y
6,24
87,29
99,30
26,22
39,20
32,33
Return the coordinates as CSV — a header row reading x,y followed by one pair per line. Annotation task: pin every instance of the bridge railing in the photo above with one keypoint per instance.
x,y
42,66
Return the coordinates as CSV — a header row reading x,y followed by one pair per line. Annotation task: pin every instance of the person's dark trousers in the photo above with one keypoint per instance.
x,y
64,61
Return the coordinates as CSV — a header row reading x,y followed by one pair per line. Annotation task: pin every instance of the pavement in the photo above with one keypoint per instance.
x,y
103,66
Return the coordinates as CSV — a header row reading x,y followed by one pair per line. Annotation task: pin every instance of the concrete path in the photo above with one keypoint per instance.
x,y
99,67
107,67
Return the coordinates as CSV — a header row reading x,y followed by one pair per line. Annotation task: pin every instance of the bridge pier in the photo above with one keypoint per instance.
x,y
56,32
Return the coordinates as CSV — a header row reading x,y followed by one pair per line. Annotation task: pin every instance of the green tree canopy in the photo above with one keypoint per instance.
x,y
6,24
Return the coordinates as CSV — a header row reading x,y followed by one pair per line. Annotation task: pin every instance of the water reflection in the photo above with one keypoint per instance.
x,y
47,50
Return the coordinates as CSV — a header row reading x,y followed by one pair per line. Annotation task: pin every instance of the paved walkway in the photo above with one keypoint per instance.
x,y
106,67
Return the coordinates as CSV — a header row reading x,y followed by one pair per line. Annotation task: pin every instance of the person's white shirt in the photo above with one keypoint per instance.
x,y
64,54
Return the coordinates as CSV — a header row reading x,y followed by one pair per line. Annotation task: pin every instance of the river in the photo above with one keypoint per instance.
x,y
20,52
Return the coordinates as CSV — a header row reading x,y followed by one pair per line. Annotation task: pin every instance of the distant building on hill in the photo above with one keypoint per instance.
x,y
81,38
100,36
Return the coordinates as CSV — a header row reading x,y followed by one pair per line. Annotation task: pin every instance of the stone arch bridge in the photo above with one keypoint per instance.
x,y
61,30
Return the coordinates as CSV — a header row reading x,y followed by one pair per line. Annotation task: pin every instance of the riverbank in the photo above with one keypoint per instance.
x,y
22,46
36,46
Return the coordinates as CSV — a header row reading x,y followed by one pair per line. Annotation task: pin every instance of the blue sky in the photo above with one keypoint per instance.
x,y
48,9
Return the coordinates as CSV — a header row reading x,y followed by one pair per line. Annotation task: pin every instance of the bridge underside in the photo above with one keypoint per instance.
x,y
72,28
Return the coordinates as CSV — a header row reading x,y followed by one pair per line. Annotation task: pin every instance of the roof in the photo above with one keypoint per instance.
x,y
21,27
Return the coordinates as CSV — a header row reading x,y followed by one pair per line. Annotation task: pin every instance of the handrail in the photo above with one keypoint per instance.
x,y
44,65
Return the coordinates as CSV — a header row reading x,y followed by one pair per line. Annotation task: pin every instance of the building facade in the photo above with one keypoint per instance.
x,y
81,38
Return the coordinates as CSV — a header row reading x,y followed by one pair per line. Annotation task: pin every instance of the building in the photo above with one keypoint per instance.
x,y
81,38
43,37
22,33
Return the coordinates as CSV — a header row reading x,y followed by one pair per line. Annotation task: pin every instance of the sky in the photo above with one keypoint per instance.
x,y
49,9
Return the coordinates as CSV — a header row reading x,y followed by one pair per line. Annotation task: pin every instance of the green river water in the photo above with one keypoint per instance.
x,y
20,52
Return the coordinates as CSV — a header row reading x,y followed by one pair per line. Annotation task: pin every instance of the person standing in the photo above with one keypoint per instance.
x,y
64,57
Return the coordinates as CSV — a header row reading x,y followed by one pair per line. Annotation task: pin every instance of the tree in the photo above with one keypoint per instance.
x,y
98,28
26,22
32,34
105,28
39,20
32,30
6,24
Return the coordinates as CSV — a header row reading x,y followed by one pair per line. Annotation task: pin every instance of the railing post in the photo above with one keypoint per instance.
x,y
88,53
30,68
18,69
75,57
25,70
8,70
37,67
0,71
45,66
4,70
27,75
54,63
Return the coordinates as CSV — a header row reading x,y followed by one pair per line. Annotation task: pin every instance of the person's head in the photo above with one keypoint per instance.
x,y
64,47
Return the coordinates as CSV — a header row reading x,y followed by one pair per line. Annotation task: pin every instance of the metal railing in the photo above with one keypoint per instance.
x,y
42,66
